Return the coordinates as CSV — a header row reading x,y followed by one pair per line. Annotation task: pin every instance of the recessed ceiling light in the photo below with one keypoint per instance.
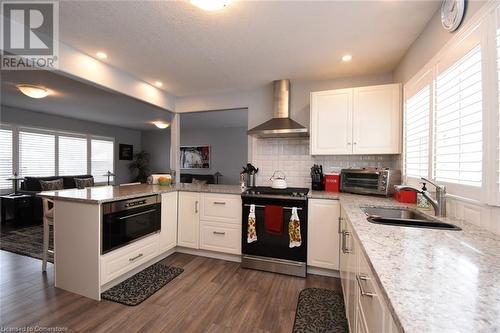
x,y
33,91
210,5
101,55
158,84
347,57
161,124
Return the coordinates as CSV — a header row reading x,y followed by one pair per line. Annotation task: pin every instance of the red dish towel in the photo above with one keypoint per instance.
x,y
273,219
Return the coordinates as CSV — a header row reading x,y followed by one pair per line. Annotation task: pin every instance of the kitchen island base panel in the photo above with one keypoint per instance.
x,y
77,254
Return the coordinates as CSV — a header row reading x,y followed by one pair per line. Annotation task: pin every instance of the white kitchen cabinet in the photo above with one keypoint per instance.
x,y
323,233
331,122
188,220
220,237
168,234
365,120
365,306
377,120
220,208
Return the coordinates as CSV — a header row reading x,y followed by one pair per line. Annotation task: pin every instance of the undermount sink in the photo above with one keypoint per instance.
x,y
404,217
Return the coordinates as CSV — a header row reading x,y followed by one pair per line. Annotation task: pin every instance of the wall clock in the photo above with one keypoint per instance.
x,y
452,14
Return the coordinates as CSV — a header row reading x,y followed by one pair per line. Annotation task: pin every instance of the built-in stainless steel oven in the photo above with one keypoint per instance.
x,y
272,252
128,220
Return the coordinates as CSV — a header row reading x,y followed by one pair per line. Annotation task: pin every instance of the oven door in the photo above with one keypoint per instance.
x,y
271,245
360,182
121,228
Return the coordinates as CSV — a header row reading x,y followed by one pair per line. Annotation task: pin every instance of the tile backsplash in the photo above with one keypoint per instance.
x,y
291,156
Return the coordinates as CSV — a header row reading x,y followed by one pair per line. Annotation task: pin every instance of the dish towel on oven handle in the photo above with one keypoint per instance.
x,y
251,232
294,229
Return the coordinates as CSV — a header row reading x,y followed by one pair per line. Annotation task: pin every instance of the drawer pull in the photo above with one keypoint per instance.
x,y
136,257
345,249
219,203
360,278
219,233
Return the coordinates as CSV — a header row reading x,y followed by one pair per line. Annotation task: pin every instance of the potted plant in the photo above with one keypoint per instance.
x,y
140,166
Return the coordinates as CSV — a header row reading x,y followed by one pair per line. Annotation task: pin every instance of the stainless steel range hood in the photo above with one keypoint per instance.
x,y
280,126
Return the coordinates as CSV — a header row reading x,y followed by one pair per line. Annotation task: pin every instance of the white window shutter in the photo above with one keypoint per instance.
x,y
458,122
5,158
72,155
416,152
102,156
37,154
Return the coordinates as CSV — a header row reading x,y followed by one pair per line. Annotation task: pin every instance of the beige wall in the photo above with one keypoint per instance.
x,y
429,42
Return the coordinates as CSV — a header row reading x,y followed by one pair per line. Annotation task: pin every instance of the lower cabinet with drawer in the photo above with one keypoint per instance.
x,y
210,221
118,262
366,309
221,237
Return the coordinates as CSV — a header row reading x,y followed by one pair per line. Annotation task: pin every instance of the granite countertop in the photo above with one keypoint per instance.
x,y
101,194
432,280
324,195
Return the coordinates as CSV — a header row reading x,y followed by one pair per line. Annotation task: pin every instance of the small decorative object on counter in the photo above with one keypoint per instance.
x,y
165,180
317,182
422,202
278,180
332,182
250,172
243,179
294,229
251,233
406,196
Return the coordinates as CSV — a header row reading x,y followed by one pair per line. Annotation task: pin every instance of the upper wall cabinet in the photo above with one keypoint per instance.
x,y
365,120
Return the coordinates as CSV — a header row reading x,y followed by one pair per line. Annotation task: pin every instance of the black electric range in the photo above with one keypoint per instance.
x,y
272,252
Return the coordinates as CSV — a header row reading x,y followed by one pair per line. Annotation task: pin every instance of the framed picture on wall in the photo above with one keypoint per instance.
x,y
195,157
126,152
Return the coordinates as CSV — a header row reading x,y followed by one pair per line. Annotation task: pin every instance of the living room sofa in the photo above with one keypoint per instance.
x,y
31,186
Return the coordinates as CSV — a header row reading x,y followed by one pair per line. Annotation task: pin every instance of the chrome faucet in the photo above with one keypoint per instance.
x,y
439,203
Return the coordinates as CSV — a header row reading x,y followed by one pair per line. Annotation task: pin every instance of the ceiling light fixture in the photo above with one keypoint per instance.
x,y
161,124
33,91
158,84
101,55
210,5
347,58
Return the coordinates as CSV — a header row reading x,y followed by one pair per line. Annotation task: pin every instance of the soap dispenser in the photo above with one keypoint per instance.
x,y
422,202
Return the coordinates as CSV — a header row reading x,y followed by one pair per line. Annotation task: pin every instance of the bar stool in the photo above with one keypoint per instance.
x,y
48,220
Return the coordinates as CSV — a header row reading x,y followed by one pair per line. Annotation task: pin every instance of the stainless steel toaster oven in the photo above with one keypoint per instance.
x,y
369,181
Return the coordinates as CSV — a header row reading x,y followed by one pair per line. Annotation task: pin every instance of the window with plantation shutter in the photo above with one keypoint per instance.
x,y
5,158
72,155
102,152
416,152
37,154
458,122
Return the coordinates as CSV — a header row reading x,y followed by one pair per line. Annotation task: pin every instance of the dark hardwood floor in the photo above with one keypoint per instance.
x,y
209,296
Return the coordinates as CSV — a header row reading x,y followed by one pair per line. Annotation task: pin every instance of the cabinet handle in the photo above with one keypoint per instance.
x,y
340,224
354,143
360,278
136,257
348,143
344,242
196,206
219,233
219,203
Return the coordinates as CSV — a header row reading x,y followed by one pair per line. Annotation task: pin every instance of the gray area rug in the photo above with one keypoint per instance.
x,y
26,241
142,285
320,310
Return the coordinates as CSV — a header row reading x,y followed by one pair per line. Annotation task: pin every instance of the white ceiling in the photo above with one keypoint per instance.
x,y
248,43
75,99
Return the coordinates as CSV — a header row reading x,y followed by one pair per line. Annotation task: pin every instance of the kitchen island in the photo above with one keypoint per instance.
x,y
80,266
